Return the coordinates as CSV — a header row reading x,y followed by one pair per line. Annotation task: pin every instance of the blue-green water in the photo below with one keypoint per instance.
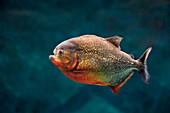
x,y
30,29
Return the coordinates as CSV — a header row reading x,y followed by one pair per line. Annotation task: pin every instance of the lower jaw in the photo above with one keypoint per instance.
x,y
53,60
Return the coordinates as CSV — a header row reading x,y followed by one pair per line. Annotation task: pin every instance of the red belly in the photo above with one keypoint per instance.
x,y
84,77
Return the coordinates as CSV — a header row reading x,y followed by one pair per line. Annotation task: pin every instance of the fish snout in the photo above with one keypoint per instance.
x,y
53,59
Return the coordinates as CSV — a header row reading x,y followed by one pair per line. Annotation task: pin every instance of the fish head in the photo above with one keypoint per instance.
x,y
65,56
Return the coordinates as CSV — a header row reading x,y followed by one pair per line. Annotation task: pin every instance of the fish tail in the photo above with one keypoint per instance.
x,y
144,70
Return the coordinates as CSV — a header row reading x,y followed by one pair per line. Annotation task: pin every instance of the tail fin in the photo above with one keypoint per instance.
x,y
144,71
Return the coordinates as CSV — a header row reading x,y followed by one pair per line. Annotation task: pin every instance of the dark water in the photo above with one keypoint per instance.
x,y
30,29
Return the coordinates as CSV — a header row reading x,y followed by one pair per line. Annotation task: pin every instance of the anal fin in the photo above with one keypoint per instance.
x,y
115,89
124,82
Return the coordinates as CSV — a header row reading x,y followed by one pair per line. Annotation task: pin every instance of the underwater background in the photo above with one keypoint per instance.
x,y
30,30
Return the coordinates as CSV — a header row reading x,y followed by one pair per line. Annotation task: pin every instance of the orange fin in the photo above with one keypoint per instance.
x,y
124,82
115,89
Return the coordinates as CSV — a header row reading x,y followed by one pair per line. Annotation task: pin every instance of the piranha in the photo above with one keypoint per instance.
x,y
91,59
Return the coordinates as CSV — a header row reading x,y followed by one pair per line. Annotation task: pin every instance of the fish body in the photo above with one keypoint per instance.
x,y
95,60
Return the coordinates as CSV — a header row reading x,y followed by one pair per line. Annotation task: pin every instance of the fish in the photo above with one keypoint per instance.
x,y
91,59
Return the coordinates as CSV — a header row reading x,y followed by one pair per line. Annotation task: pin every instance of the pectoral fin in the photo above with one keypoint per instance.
x,y
80,72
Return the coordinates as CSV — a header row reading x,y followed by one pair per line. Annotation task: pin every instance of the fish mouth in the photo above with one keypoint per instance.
x,y
54,60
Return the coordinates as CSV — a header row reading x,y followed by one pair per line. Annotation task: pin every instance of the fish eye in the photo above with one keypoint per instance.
x,y
60,52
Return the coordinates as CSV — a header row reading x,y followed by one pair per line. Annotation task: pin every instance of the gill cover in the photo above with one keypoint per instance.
x,y
65,56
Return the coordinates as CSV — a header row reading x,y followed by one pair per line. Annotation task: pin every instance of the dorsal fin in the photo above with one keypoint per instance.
x,y
131,56
115,40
